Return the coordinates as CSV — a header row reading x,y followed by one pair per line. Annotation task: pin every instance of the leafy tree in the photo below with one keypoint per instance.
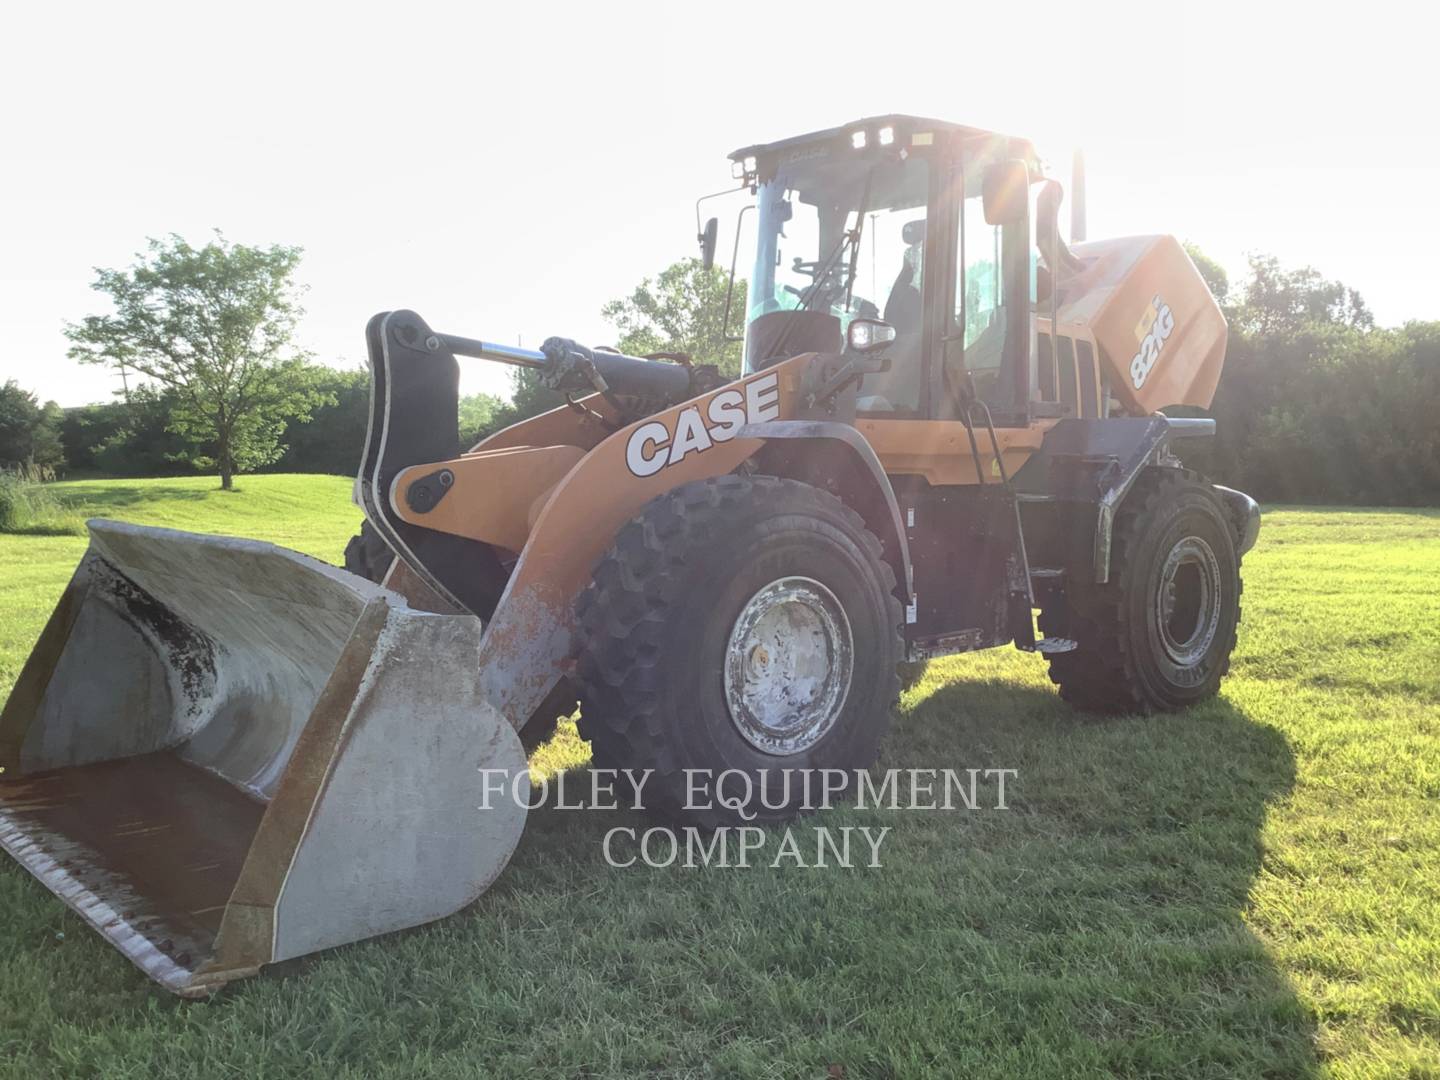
x,y
86,428
146,442
47,451
481,415
126,438
19,413
332,438
29,432
1276,300
682,310
1213,273
1316,403
213,325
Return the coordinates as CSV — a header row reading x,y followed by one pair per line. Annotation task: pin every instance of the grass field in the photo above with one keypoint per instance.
x,y
1249,889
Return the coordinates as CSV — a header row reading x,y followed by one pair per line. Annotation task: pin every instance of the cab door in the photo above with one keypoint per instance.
x,y
988,333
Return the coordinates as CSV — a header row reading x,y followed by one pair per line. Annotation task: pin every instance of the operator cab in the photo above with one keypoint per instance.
x,y
922,224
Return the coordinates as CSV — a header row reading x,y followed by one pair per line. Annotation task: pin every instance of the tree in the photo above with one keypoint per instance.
x,y
480,415
47,451
680,310
1277,301
332,438
214,325
29,432
1213,273
19,413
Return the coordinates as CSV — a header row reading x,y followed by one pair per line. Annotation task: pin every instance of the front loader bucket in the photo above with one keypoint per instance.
x,y
224,754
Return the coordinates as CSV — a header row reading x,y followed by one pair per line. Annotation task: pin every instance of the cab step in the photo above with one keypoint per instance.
x,y
1051,645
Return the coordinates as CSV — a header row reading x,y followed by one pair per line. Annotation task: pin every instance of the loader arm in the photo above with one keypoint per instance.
x,y
558,506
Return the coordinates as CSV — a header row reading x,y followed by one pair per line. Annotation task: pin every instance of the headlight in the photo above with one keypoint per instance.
x,y
867,335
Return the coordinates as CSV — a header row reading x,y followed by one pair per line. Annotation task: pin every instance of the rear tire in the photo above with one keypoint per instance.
x,y
746,623
1158,636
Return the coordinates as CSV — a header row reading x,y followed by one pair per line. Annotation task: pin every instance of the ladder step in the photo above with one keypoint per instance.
x,y
1046,573
1049,645
1033,497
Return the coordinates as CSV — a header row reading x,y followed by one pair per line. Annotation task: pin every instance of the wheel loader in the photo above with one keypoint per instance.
x,y
223,754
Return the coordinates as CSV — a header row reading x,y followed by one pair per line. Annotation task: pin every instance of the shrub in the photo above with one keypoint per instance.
x,y
32,509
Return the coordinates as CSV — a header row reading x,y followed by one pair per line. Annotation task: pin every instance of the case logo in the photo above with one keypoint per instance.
x,y
1152,331
653,446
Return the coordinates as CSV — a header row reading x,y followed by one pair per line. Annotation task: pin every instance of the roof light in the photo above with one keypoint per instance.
x,y
887,135
857,140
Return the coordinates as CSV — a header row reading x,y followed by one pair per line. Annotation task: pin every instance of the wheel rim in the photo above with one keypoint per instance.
x,y
788,665
1187,604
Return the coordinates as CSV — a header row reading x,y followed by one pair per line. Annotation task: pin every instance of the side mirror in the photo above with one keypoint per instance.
x,y
707,244
867,335
1005,192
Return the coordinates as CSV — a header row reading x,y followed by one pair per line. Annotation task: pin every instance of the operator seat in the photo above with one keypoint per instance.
x,y
902,309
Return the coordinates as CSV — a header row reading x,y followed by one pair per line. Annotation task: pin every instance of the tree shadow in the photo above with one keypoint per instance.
x,y
95,501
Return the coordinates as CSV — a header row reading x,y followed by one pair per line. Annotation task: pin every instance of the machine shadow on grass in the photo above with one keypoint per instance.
x,y
1096,924
1094,927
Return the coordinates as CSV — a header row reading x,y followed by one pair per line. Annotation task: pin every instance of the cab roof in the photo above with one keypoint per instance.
x,y
904,126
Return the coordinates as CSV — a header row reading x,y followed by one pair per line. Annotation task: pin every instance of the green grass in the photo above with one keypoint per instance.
x,y
312,514
29,508
1248,889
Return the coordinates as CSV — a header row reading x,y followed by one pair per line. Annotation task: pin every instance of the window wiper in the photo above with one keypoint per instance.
x,y
858,233
851,237
823,271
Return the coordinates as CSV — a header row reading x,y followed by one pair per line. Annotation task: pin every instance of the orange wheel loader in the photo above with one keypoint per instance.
x,y
223,754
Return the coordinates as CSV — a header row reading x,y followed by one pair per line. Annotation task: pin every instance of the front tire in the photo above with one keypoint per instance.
x,y
367,555
742,623
1158,636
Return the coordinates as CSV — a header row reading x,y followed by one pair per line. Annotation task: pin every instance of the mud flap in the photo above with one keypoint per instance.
x,y
224,754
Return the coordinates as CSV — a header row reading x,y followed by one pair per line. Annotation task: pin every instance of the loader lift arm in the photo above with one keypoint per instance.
x,y
414,420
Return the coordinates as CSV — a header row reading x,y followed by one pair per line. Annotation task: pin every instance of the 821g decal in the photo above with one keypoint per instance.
x,y
1154,330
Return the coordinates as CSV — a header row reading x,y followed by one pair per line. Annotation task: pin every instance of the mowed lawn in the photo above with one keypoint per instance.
x,y
1248,889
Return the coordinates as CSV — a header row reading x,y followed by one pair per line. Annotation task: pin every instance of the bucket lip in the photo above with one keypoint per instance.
x,y
101,528
136,946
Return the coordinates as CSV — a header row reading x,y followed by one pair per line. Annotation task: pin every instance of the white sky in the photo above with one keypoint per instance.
x,y
505,169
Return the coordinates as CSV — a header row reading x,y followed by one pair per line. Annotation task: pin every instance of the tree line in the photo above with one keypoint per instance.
x,y
1316,403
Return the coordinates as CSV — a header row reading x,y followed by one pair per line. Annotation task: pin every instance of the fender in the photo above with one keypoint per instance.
x,y
1097,461
1244,516
854,473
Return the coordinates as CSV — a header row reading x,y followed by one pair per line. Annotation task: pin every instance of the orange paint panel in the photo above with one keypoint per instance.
x,y
939,450
565,425
1160,332
493,492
